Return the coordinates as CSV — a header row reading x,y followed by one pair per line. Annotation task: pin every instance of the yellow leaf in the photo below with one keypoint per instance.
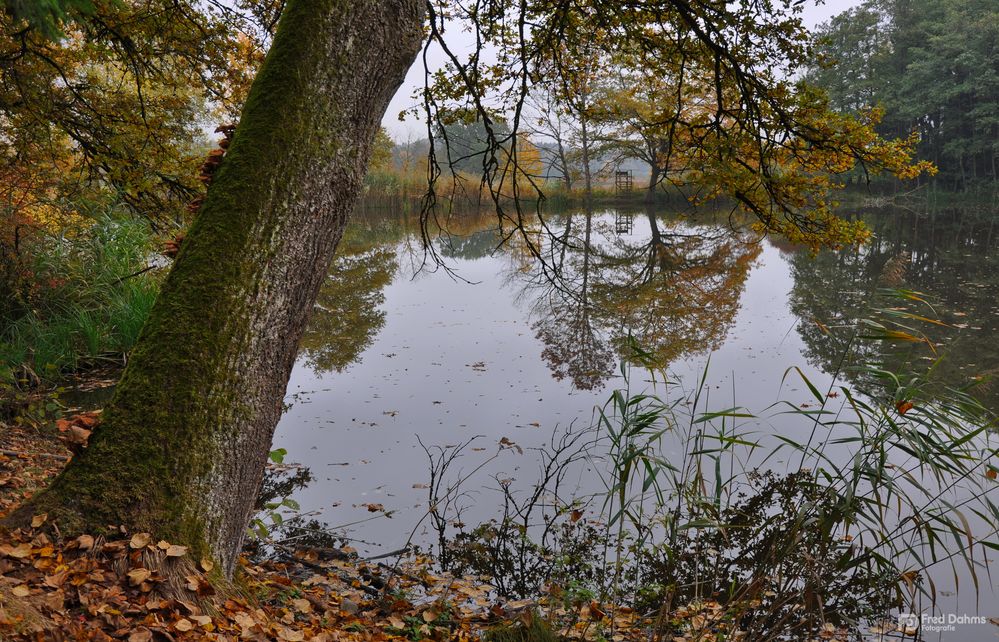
x,y
21,590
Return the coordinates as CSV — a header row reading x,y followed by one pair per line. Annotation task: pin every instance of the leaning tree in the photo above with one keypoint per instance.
x,y
181,449
182,446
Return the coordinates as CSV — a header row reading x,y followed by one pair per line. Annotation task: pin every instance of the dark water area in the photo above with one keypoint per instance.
x,y
399,353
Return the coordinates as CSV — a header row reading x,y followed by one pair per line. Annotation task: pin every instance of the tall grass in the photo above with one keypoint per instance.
x,y
830,522
90,294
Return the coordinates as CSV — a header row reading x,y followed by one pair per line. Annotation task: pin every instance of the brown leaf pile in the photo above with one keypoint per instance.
x,y
29,460
139,589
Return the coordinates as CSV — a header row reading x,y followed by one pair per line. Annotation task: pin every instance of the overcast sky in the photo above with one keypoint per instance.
x,y
814,14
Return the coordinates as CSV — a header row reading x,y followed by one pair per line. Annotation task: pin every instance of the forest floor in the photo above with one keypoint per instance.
x,y
131,587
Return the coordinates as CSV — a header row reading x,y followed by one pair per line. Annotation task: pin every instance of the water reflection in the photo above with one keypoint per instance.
x,y
565,318
347,314
675,284
514,355
671,283
949,255
678,291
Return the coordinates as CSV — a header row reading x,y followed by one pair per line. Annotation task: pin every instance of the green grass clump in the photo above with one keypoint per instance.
x,y
87,301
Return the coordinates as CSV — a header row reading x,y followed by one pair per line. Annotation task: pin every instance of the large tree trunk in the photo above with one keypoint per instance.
x,y
182,446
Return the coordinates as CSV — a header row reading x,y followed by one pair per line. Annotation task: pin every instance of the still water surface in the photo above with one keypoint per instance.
x,y
395,353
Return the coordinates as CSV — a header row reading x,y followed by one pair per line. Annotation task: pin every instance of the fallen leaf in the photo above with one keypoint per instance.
x,y
244,621
141,634
56,580
38,520
88,419
21,590
183,624
506,443
140,540
77,435
55,601
138,575
290,635
176,550
20,551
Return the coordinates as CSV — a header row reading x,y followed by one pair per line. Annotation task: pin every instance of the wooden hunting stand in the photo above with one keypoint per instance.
x,y
624,222
623,180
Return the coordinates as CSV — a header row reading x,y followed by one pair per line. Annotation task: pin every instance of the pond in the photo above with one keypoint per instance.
x,y
399,353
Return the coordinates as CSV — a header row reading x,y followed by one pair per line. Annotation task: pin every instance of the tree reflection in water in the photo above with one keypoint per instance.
x,y
672,284
674,289
949,256
346,317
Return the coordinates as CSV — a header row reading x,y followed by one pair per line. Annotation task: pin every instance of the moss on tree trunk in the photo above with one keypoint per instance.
x,y
182,446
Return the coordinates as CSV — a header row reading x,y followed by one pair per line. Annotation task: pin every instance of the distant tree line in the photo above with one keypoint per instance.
x,y
933,67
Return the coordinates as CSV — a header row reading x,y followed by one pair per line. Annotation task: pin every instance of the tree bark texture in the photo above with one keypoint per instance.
x,y
183,444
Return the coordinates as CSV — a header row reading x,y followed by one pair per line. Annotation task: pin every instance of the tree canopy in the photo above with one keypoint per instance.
x,y
756,136
114,98
932,66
